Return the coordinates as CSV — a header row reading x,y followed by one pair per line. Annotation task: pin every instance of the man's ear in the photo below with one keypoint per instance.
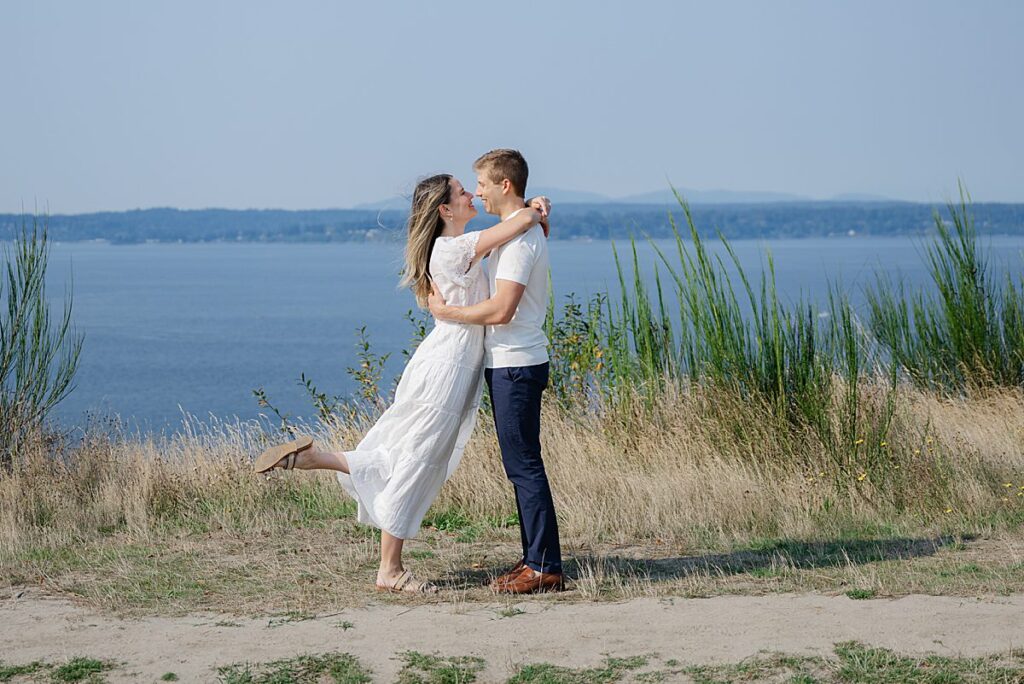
x,y
506,186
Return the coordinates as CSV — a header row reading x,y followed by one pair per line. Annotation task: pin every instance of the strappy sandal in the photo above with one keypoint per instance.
x,y
282,456
408,584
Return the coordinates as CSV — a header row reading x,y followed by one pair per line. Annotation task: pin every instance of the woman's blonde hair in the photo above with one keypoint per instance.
x,y
425,224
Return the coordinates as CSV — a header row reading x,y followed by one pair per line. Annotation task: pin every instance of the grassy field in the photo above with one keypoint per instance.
x,y
694,507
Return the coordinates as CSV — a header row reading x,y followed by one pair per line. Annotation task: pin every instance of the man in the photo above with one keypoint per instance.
x,y
516,368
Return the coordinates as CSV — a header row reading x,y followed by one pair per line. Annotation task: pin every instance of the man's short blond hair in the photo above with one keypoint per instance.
x,y
498,165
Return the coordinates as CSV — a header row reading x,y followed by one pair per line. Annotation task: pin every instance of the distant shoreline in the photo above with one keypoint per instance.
x,y
572,221
397,239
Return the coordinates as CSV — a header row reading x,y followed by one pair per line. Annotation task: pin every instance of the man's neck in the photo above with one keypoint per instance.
x,y
512,205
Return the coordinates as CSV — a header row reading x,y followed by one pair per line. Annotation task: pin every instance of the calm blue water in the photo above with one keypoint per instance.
x,y
197,327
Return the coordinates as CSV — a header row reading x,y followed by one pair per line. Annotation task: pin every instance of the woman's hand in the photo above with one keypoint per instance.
x,y
543,205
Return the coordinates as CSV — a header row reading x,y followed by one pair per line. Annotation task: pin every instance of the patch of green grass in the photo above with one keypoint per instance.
x,y
858,594
855,663
450,520
801,553
80,670
227,623
860,663
288,617
420,668
421,554
169,677
510,611
765,573
9,672
345,625
966,569
868,529
499,521
453,520
340,668
957,545
75,670
316,505
613,670
50,555
772,668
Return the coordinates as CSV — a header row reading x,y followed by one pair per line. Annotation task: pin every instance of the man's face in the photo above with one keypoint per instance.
x,y
488,191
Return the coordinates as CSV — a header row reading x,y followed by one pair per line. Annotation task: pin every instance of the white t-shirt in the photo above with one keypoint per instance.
x,y
521,341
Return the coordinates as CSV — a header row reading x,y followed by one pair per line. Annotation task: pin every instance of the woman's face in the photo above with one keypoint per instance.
x,y
461,204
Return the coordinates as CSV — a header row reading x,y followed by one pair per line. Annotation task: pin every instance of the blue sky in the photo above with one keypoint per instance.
x,y
117,105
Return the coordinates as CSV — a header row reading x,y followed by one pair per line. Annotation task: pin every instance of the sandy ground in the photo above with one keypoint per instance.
x,y
693,631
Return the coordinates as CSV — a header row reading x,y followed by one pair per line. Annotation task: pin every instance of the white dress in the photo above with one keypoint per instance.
x,y
398,468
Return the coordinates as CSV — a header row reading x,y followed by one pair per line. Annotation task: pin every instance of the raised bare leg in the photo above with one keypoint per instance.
x,y
315,459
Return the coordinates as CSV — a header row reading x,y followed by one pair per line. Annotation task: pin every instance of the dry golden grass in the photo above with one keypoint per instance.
x,y
709,469
707,491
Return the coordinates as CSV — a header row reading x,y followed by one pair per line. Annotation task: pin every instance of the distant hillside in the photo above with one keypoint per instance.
x,y
711,197
559,195
570,220
205,225
562,196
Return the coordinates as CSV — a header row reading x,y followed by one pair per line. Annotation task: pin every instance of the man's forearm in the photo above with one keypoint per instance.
x,y
487,312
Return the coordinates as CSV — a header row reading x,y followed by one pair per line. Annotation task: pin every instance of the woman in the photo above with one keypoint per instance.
x,y
398,468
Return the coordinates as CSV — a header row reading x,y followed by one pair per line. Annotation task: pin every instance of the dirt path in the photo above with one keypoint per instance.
x,y
697,631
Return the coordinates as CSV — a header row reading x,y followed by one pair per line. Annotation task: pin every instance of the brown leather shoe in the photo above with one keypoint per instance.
x,y
511,574
529,581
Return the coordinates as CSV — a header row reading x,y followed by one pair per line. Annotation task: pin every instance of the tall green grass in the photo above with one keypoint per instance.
x,y
38,353
965,333
726,332
962,331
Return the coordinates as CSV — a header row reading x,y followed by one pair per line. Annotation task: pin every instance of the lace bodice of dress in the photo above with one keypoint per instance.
x,y
461,281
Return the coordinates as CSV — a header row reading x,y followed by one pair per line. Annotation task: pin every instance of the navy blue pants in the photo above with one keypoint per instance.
x,y
515,396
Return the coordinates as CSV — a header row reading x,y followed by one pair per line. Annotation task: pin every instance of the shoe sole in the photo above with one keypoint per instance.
x,y
421,592
536,590
269,458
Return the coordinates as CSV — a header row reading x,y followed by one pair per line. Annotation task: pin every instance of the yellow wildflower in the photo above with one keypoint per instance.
x,y
860,478
1007,484
859,441
949,510
885,444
